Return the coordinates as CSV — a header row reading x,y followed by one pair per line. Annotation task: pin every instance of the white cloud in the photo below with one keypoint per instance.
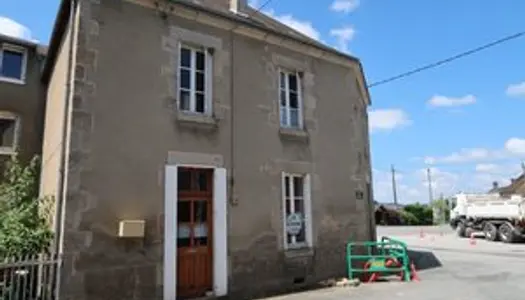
x,y
515,146
414,185
343,36
304,27
516,90
12,28
387,119
344,6
486,168
463,155
443,101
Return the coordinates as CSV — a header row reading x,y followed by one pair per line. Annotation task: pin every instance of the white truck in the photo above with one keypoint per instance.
x,y
498,218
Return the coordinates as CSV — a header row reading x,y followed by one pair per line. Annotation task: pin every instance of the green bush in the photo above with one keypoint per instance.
x,y
22,230
423,213
408,218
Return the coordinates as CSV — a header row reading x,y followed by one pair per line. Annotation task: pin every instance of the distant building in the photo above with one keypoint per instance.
x,y
22,100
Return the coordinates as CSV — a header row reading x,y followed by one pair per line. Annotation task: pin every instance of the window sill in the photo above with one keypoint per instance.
x,y
7,151
294,134
12,80
199,120
305,251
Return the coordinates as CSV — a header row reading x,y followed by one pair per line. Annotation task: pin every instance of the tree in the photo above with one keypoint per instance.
x,y
423,213
441,206
408,218
23,231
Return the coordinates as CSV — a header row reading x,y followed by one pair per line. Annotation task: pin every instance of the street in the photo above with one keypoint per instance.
x,y
449,268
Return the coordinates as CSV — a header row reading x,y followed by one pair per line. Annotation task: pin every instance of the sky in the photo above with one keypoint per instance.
x,y
461,120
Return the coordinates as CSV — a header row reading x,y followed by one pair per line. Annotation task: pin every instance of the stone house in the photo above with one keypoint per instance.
x,y
207,149
516,187
21,101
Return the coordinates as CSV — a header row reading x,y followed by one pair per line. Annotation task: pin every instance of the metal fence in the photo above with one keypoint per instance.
x,y
28,278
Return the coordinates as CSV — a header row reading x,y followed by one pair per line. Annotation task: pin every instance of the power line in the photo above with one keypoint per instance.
x,y
449,59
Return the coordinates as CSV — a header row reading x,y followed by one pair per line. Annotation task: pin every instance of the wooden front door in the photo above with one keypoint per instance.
x,y
194,232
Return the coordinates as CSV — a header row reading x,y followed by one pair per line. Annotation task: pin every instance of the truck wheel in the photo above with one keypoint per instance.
x,y
460,229
506,233
491,232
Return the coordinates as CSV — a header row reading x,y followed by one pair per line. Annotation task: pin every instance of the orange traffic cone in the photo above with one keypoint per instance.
x,y
413,272
472,240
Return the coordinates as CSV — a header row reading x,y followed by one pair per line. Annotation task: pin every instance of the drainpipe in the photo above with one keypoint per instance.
x,y
232,119
61,197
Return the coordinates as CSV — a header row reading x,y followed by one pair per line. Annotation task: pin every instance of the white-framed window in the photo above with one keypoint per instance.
x,y
290,99
296,210
13,60
195,64
9,132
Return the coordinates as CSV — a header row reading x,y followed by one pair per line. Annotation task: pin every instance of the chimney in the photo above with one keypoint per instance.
x,y
495,184
237,6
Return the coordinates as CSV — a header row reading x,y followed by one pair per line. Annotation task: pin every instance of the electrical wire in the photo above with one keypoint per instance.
x,y
448,60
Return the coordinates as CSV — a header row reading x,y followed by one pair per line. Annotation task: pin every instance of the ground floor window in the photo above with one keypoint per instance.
x,y
296,203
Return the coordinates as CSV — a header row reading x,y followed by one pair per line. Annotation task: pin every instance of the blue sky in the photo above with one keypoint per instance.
x,y
462,119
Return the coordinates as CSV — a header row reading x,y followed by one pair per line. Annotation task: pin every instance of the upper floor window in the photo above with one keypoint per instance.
x,y
194,80
290,100
12,63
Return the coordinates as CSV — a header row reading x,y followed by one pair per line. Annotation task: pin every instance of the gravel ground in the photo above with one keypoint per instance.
x,y
456,269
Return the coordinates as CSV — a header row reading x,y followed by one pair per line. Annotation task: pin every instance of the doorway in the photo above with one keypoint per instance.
x,y
194,232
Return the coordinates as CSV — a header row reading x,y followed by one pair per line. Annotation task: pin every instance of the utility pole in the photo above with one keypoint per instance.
x,y
429,179
394,188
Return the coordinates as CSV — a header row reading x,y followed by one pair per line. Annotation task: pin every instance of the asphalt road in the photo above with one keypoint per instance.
x,y
450,268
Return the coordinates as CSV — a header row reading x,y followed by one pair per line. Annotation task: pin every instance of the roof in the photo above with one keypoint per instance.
x,y
516,186
18,41
220,8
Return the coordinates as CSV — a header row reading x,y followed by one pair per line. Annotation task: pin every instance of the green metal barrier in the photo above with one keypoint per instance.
x,y
386,257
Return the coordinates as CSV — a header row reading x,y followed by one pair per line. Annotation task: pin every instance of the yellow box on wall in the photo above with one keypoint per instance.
x,y
131,228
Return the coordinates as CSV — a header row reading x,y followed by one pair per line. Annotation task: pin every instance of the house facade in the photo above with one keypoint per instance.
x,y
21,101
207,148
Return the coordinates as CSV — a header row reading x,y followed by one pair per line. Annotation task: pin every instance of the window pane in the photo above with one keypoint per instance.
x,y
7,132
298,186
289,238
185,79
202,180
287,186
185,57
284,119
183,235
183,212
183,180
200,233
282,97
200,60
292,82
199,79
282,80
199,102
298,206
288,208
200,210
301,237
184,100
294,117
294,101
12,64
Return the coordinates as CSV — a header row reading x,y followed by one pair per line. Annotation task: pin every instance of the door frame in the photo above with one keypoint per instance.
x,y
220,236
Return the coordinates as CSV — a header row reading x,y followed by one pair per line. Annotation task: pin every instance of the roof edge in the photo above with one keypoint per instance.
x,y
59,28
